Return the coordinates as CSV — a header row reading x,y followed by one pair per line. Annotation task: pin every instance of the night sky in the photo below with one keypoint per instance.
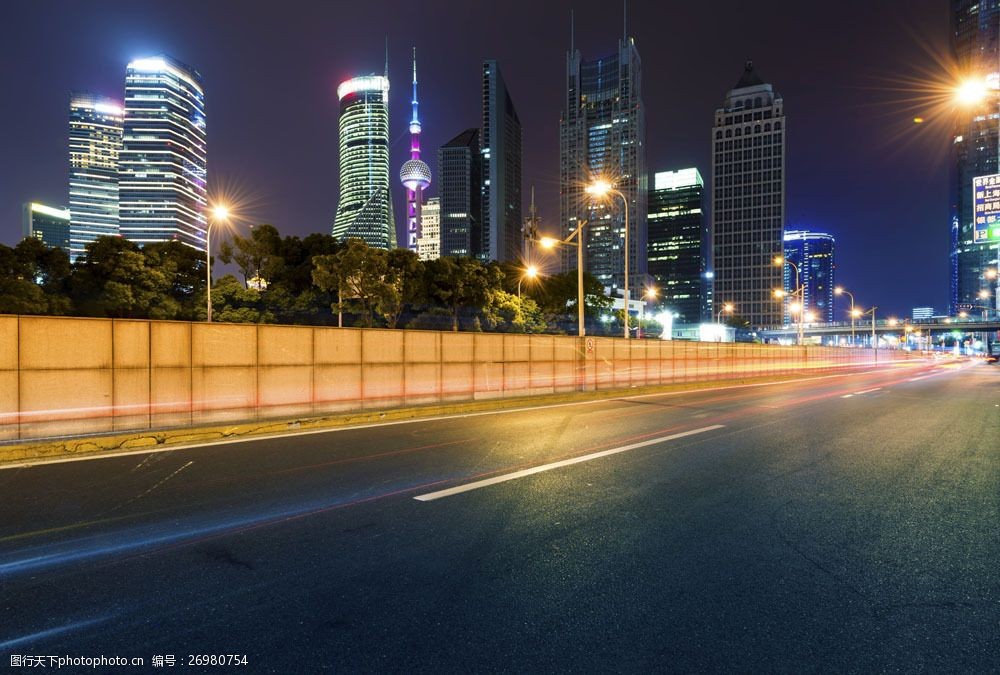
x,y
857,166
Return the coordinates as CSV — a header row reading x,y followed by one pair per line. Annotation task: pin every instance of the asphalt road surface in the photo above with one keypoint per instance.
x,y
847,524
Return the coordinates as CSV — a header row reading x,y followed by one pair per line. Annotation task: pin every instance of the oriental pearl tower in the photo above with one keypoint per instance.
x,y
415,175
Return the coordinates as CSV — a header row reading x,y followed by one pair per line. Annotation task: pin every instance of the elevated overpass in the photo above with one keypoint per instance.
x,y
888,327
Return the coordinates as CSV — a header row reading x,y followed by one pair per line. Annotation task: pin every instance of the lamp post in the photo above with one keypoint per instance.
x,y
550,243
600,188
530,272
991,275
984,295
220,214
872,312
780,261
840,290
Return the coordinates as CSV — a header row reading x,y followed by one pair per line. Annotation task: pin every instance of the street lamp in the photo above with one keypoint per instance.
x,y
872,312
780,261
600,188
550,243
974,91
840,290
220,214
530,272
727,308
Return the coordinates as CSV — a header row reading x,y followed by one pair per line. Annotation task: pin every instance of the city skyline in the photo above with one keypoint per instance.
x,y
675,97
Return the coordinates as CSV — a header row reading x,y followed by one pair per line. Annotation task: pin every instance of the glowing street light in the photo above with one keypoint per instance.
x,y
549,243
601,188
727,308
220,214
780,261
971,92
530,272
840,290
975,91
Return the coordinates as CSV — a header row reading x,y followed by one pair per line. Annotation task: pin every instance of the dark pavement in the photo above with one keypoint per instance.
x,y
847,524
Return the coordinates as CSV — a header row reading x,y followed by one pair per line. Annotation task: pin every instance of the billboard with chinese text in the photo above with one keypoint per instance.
x,y
986,208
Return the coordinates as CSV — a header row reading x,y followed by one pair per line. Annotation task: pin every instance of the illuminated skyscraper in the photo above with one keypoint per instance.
x,y
748,199
163,165
415,175
501,155
812,252
95,142
602,133
48,224
459,185
365,207
975,45
429,243
678,242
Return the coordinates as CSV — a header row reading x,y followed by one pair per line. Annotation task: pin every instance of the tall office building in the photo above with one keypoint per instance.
x,y
602,134
429,242
95,142
49,224
678,242
975,45
365,207
812,253
415,175
459,189
501,156
748,199
163,165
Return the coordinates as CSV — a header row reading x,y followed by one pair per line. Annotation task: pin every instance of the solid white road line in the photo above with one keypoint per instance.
x,y
431,496
866,391
847,396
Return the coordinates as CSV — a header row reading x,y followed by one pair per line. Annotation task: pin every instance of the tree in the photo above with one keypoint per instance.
x,y
113,279
233,302
506,313
402,285
183,269
356,274
460,283
258,255
34,279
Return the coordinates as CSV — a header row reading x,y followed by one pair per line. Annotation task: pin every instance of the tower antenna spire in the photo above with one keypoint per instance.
x,y
572,32
415,175
386,72
624,22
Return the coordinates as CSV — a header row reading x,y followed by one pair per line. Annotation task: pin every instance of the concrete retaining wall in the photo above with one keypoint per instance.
x,y
63,375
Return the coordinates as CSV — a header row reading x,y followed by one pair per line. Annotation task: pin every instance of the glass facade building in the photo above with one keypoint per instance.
x,y
812,252
678,243
975,46
459,189
95,142
748,200
163,165
501,166
48,224
429,242
365,207
602,133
